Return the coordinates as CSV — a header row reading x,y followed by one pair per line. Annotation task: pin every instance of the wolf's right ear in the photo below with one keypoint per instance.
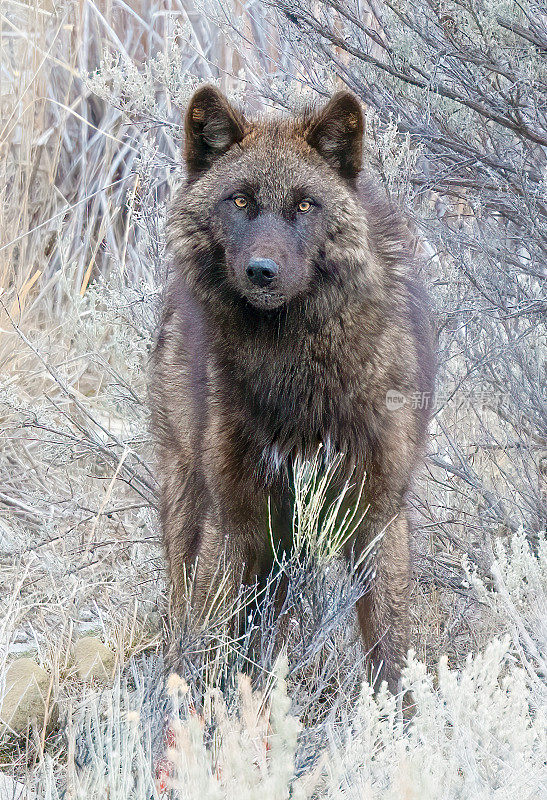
x,y
211,126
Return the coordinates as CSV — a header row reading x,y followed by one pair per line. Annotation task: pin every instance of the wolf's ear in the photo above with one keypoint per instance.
x,y
337,134
212,126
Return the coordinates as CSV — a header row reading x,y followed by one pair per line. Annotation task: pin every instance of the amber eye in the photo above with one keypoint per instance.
x,y
240,201
304,206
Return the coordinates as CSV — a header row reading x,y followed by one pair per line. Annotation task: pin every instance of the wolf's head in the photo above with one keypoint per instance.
x,y
264,199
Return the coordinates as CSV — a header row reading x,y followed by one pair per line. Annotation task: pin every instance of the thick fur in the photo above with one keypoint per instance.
x,y
245,379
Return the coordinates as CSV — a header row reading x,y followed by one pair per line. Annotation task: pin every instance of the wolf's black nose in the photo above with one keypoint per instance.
x,y
262,271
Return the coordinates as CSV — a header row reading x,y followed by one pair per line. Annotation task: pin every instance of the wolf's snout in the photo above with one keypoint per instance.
x,y
262,271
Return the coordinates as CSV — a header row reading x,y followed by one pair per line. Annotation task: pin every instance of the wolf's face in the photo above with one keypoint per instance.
x,y
267,193
270,220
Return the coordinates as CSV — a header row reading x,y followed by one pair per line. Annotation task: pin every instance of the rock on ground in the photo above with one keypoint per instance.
x,y
93,660
26,691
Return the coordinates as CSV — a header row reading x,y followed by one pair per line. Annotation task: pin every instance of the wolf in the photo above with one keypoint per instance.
x,y
293,319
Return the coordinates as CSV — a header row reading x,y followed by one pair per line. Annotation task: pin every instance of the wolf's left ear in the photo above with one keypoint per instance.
x,y
337,134
212,126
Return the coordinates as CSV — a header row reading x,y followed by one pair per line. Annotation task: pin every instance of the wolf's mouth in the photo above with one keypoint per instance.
x,y
265,300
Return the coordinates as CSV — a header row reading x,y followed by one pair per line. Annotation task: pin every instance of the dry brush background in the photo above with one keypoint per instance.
x,y
91,96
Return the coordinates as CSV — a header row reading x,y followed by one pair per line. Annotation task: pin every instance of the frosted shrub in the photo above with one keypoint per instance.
x,y
109,756
252,754
475,733
136,90
518,598
472,736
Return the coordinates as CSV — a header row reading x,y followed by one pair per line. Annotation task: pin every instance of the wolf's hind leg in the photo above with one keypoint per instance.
x,y
383,612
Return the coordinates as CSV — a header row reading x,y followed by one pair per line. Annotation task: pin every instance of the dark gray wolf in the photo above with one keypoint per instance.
x,y
291,313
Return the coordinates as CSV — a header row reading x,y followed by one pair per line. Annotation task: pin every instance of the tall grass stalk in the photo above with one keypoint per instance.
x,y
321,524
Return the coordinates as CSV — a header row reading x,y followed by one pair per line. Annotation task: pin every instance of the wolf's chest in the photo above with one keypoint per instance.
x,y
293,408
277,458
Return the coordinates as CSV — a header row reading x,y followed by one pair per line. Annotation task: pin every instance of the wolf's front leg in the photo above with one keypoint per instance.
x,y
233,545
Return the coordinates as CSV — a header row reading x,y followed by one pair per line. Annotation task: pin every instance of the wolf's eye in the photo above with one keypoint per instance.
x,y
240,200
304,206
